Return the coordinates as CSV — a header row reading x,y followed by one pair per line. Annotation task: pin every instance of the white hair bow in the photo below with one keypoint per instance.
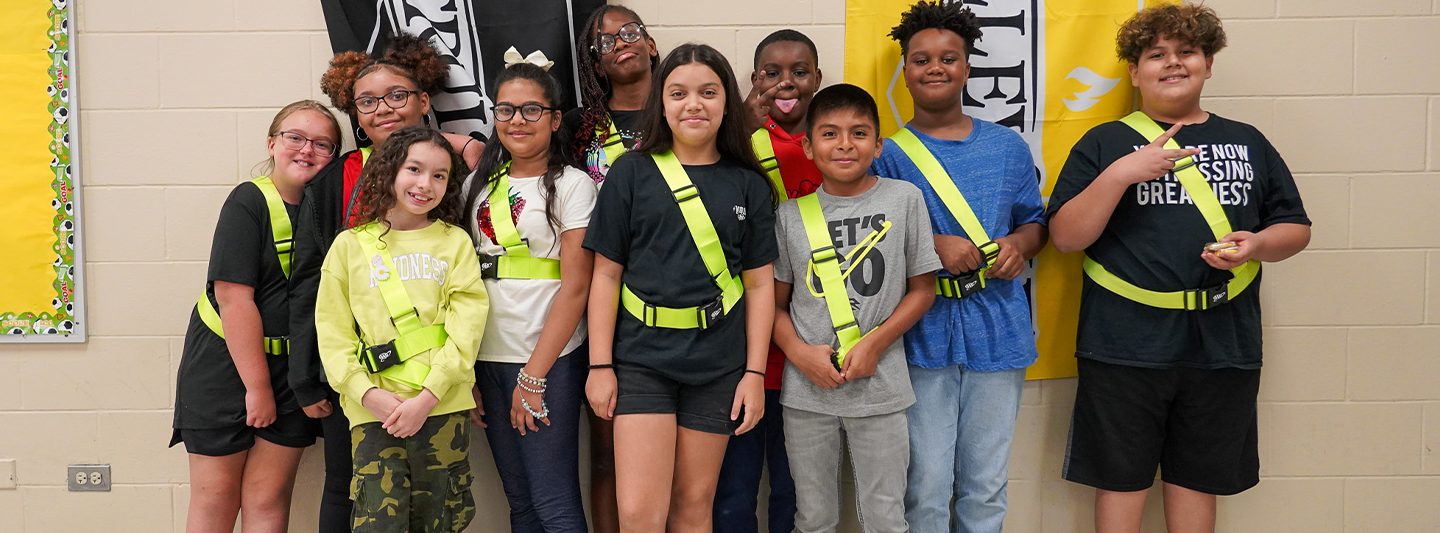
x,y
537,58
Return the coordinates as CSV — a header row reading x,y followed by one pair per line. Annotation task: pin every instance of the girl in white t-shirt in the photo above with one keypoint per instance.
x,y
528,211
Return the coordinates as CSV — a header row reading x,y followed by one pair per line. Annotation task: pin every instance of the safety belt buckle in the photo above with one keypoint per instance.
x,y
1207,298
709,314
991,250
964,284
821,255
489,266
379,357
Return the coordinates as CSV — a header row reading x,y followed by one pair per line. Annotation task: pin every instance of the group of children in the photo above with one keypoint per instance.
x,y
739,302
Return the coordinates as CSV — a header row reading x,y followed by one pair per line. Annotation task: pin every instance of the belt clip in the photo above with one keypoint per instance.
x,y
379,357
1207,298
991,250
394,320
489,266
707,315
821,255
685,193
1189,162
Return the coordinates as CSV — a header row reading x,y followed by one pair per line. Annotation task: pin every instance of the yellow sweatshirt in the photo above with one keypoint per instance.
x,y
441,274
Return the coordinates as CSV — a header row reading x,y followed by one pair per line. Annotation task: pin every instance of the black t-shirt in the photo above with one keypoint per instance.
x,y
638,224
1154,239
208,390
627,124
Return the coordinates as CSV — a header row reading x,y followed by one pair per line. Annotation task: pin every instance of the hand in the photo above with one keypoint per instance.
x,y
1246,244
406,420
600,390
757,105
259,408
320,409
1009,263
380,402
818,364
958,255
860,361
750,394
477,415
521,418
1150,162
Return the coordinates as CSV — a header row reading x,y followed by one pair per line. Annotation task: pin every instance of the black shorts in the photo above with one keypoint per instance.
x,y
292,430
1198,426
704,408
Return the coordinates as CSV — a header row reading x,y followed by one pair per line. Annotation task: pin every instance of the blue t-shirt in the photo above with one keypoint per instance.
x,y
991,330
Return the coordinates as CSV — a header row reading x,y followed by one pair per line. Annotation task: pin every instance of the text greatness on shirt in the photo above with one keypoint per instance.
x,y
418,265
1225,166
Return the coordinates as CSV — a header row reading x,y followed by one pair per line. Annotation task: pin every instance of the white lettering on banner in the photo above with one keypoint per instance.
x,y
1006,84
1225,166
413,266
462,106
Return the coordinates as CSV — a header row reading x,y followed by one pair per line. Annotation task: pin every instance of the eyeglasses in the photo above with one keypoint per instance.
x,y
531,112
394,100
296,141
605,42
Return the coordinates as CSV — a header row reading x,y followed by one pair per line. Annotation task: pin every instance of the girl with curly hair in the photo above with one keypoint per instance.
x,y
398,319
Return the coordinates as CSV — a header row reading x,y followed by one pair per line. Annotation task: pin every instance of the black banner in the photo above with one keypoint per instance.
x,y
472,35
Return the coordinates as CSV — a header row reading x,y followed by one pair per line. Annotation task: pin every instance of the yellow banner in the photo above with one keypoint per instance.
x,y
1045,68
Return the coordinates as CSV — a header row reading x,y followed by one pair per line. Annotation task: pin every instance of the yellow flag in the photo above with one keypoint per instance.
x,y
1046,69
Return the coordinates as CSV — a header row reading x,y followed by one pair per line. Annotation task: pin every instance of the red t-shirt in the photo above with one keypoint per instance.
x,y
801,178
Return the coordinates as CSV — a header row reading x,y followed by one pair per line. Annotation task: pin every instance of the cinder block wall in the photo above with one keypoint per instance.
x,y
175,96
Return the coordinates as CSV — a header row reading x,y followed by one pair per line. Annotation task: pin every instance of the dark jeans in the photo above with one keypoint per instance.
x,y
335,500
739,487
540,470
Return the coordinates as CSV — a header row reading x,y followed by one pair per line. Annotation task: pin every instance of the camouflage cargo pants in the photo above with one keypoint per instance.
x,y
417,484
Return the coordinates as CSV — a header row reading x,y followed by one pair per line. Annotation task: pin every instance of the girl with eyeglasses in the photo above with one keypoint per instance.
x,y
234,408
384,94
616,58
527,210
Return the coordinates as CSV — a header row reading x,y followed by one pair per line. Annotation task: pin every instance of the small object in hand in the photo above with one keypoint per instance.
x,y
1222,247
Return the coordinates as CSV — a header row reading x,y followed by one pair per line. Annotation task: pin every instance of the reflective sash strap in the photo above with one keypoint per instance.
x,y
1204,199
765,152
949,195
707,242
613,145
826,262
517,263
414,337
284,235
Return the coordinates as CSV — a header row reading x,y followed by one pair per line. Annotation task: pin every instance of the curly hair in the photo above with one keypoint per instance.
x,y
937,15
594,86
1198,26
407,56
377,180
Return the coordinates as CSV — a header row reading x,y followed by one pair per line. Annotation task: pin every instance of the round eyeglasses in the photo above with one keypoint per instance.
x,y
394,100
531,112
297,142
605,42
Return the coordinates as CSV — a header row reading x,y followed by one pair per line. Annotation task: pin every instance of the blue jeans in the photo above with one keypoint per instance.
x,y
961,427
739,486
540,471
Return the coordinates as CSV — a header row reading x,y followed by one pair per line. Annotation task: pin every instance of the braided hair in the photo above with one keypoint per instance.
x,y
595,88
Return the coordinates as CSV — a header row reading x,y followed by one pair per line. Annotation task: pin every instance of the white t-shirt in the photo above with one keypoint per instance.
x,y
518,307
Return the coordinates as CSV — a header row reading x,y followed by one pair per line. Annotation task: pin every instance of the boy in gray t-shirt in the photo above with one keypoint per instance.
x,y
880,231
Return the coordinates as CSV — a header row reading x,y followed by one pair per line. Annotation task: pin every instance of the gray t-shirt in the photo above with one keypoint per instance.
x,y
875,288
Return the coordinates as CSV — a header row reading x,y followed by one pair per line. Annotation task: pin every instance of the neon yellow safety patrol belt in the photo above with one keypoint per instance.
x,y
517,262
392,359
826,263
1204,197
949,194
702,229
614,144
279,229
765,152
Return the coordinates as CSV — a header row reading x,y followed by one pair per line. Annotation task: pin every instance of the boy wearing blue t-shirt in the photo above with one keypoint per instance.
x,y
968,354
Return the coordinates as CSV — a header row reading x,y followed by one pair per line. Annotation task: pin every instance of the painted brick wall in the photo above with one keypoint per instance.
x,y
1350,407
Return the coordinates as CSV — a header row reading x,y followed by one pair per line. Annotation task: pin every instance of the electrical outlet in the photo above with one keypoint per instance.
x,y
7,474
88,478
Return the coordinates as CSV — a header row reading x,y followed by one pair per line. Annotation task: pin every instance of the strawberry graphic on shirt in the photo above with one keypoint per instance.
x,y
517,205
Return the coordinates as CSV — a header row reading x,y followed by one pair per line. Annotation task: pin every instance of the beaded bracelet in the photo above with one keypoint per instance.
x,y
530,383
544,409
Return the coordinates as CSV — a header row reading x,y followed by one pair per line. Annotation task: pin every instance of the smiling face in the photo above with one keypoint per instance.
x,y
1170,74
842,143
386,119
419,185
792,62
629,61
694,99
300,166
936,68
525,139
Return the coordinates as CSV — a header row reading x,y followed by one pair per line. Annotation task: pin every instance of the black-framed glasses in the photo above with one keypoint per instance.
x,y
297,142
531,112
394,100
605,42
